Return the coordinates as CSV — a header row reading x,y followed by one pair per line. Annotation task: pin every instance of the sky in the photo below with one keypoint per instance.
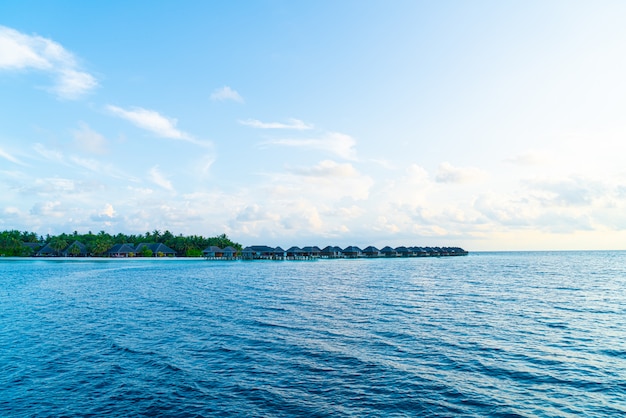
x,y
487,125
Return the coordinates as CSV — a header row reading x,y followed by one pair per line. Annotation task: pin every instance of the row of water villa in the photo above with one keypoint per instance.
x,y
264,252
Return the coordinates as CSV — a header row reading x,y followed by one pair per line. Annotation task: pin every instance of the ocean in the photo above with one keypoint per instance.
x,y
502,334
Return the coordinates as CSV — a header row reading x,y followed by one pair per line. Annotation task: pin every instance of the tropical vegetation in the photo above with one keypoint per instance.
x,y
24,243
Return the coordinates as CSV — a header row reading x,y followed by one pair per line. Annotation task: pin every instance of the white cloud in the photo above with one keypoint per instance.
x,y
254,213
12,212
327,181
151,121
529,158
102,168
89,140
49,154
106,215
336,143
294,124
203,164
48,209
226,93
417,174
10,157
327,168
447,173
22,52
156,123
159,179
573,191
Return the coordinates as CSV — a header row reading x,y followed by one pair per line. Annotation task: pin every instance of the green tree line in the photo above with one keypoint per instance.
x,y
16,243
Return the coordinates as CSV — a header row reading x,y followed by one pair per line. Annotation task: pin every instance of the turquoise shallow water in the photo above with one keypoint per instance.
x,y
490,334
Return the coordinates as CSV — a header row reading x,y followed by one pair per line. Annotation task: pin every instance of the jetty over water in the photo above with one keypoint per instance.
x,y
264,252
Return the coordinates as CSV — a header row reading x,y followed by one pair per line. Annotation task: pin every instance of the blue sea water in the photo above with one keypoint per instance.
x,y
491,334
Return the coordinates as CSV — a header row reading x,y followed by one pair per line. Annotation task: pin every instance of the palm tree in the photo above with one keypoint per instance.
x,y
58,245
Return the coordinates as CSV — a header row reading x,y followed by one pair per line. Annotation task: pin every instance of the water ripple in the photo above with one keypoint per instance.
x,y
491,334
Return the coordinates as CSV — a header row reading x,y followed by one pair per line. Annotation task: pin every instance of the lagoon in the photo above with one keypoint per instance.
x,y
490,334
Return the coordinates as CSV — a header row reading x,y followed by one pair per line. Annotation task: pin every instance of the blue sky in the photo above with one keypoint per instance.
x,y
484,124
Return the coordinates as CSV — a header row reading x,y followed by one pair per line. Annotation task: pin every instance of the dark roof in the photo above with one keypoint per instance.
x,y
47,250
155,247
82,248
121,249
261,248
162,248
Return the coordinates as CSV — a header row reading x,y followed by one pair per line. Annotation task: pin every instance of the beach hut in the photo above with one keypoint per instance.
x,y
121,250
158,249
75,249
47,251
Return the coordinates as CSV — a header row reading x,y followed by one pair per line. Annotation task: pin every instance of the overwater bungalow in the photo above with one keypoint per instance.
x,y
331,252
264,252
371,251
352,252
229,252
388,252
403,251
312,251
279,253
295,253
258,252
419,252
212,251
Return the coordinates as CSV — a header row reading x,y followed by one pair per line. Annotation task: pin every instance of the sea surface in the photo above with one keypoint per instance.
x,y
506,334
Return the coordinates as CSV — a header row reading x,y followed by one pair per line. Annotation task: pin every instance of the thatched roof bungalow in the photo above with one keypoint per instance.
x,y
295,253
47,251
258,252
371,251
76,249
352,252
212,251
121,250
331,252
158,249
312,251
